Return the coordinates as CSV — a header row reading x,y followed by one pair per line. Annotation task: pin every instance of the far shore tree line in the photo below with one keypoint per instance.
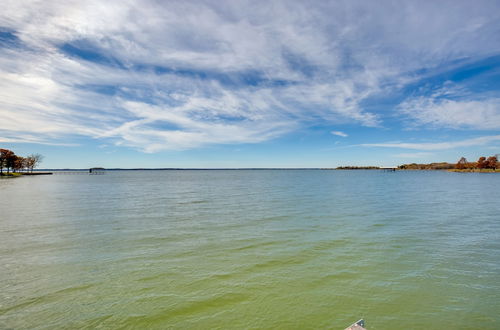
x,y
14,163
483,163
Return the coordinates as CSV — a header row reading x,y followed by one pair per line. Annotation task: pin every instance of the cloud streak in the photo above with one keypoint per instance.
x,y
480,141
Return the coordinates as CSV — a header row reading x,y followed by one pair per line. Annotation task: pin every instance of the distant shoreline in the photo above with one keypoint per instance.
x,y
367,168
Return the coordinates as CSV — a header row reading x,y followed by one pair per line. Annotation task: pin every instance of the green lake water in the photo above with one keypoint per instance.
x,y
250,249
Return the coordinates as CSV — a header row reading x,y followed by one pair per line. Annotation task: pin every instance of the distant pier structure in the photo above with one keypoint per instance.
x,y
388,169
97,171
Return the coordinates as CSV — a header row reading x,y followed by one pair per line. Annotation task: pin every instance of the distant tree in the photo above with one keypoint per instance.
x,y
462,164
481,162
4,155
32,161
25,164
18,164
29,163
10,160
491,162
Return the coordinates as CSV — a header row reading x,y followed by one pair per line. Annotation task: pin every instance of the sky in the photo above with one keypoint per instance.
x,y
211,84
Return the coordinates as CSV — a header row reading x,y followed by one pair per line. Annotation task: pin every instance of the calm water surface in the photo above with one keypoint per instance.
x,y
280,249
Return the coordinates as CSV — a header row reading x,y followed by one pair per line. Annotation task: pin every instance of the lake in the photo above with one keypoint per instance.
x,y
251,249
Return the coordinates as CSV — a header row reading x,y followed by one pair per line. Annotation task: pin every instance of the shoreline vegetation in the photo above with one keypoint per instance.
x,y
482,165
16,166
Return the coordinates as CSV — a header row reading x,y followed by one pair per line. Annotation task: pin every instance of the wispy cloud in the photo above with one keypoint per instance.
x,y
480,141
179,75
454,108
339,133
24,138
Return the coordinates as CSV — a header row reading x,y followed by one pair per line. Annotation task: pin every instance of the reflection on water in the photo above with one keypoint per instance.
x,y
250,249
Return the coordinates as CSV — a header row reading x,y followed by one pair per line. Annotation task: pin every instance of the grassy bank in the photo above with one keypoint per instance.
x,y
10,175
17,174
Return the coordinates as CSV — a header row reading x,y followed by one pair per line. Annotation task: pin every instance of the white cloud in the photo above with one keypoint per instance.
x,y
209,72
446,107
480,141
339,133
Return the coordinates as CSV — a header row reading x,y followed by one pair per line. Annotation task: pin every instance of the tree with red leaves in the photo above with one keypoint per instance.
x,y
491,162
7,158
481,162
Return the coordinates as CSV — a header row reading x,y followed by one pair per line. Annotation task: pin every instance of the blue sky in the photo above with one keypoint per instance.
x,y
249,83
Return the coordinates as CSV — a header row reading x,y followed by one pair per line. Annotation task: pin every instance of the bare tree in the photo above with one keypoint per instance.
x,y
30,163
33,160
